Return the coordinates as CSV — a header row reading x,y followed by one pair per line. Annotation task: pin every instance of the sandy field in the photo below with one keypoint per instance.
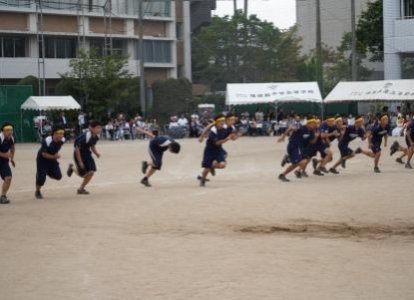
x,y
244,236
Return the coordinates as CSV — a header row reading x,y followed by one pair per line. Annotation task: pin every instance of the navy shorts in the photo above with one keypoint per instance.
x,y
5,170
156,157
376,148
210,156
345,150
47,168
88,162
407,142
295,156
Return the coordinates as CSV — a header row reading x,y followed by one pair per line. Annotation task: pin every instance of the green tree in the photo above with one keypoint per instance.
x,y
240,49
101,83
30,80
369,33
172,96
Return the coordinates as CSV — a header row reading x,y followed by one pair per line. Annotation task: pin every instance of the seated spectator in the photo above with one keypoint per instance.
x,y
182,121
109,130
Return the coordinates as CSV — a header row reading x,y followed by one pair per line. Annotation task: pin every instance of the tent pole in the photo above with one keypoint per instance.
x,y
21,125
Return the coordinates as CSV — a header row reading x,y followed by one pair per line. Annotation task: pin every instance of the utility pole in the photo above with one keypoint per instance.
x,y
354,51
235,6
246,7
141,58
319,62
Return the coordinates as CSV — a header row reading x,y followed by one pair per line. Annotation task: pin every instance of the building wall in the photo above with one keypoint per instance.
x,y
159,28
398,37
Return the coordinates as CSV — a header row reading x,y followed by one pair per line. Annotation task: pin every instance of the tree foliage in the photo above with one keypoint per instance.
x,y
240,49
171,96
101,83
30,80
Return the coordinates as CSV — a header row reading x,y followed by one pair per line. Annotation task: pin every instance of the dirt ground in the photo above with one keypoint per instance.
x,y
244,236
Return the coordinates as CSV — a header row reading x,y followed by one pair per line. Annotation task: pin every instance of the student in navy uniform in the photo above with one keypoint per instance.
x,y
85,145
329,132
406,151
7,151
351,132
301,136
214,156
158,145
47,159
377,134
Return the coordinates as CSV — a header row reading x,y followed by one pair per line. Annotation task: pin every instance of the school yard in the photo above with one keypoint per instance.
x,y
244,236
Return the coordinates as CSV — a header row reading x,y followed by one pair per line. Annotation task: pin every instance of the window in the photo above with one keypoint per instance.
x,y
408,8
157,51
18,3
60,48
179,31
12,46
118,46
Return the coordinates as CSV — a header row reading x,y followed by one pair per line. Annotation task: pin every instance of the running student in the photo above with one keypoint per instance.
x,y
301,136
214,156
6,155
409,139
158,145
350,133
47,159
85,145
378,133
329,132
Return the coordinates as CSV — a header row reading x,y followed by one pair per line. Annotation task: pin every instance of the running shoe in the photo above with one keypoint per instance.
x,y
283,178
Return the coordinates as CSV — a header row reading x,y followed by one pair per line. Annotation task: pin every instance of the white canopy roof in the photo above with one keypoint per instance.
x,y
252,93
50,103
382,90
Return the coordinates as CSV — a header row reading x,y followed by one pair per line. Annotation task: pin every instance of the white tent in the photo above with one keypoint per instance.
x,y
382,90
253,93
50,103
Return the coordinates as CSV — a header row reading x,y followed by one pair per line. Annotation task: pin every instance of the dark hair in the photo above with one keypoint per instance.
x,y
6,124
219,116
175,147
94,123
57,128
230,115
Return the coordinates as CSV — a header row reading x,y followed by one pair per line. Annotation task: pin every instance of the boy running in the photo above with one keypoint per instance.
x,y
409,139
378,133
85,145
7,151
214,155
47,159
158,145
351,133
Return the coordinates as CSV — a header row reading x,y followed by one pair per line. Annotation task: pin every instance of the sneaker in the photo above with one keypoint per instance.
x,y
314,163
283,178
298,174
304,174
144,167
408,166
324,170
377,170
202,182
399,160
38,195
69,172
333,171
145,182
318,173
343,163
358,150
213,171
285,160
394,148
199,178
83,192
4,200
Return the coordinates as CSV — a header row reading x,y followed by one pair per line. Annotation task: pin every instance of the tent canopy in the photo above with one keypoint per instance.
x,y
254,93
382,90
44,103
